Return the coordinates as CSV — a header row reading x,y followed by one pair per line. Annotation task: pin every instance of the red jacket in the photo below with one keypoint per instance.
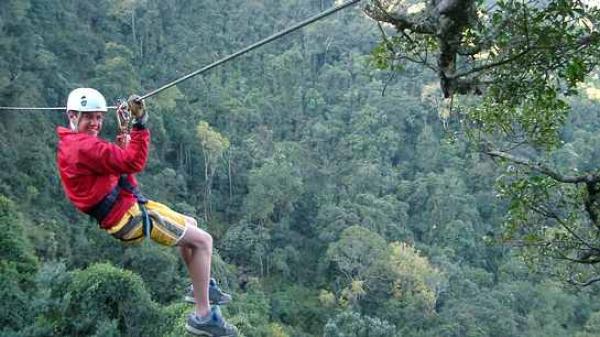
x,y
90,168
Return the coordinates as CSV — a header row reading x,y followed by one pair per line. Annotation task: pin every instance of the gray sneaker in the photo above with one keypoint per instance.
x,y
215,294
212,326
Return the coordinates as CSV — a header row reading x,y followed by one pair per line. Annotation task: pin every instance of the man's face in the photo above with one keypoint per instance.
x,y
91,123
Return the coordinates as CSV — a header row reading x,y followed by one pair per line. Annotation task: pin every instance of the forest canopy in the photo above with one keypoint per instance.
x,y
415,171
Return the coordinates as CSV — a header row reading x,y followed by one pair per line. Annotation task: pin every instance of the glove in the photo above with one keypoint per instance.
x,y
136,107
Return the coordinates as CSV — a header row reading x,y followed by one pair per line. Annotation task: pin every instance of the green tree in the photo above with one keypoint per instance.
x,y
274,187
352,324
118,60
355,251
524,60
213,146
248,244
18,266
103,298
592,326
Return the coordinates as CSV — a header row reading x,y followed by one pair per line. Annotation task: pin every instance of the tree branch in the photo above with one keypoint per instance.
x,y
576,260
401,22
544,169
413,60
544,211
491,65
585,283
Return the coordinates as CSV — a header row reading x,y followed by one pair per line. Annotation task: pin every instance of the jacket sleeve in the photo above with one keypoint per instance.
x,y
102,157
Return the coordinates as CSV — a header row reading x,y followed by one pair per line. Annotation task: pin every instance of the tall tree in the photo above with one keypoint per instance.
x,y
213,146
18,266
522,61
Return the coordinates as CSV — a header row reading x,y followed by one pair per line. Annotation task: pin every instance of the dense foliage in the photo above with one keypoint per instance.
x,y
510,72
339,202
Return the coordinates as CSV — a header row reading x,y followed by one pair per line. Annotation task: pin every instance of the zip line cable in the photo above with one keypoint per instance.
x,y
28,108
254,46
25,108
227,58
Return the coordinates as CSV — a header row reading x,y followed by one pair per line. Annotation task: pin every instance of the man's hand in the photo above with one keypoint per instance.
x,y
123,140
123,118
136,106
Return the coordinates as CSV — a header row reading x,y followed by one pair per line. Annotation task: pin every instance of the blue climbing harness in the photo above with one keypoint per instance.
x,y
101,209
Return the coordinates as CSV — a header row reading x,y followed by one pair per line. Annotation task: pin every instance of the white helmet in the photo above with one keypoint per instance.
x,y
86,99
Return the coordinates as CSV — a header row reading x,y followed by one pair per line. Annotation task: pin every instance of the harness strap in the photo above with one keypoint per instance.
x,y
101,210
146,220
124,183
133,222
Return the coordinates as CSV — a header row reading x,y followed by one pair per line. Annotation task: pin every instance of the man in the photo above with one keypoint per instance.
x,y
99,179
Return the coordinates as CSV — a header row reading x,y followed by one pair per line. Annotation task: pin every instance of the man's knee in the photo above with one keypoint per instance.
x,y
198,238
207,238
191,221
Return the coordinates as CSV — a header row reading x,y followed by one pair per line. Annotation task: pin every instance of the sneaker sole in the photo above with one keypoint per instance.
x,y
191,300
197,332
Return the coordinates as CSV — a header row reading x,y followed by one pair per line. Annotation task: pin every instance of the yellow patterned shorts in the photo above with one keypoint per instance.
x,y
168,226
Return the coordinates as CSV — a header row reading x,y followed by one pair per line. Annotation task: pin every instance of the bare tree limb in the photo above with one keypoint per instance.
x,y
577,260
413,60
585,283
544,169
552,215
491,65
401,22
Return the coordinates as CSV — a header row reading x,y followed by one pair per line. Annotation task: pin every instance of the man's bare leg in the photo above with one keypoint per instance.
x,y
196,250
186,252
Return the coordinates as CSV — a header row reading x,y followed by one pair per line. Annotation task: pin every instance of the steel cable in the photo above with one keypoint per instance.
x,y
227,58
